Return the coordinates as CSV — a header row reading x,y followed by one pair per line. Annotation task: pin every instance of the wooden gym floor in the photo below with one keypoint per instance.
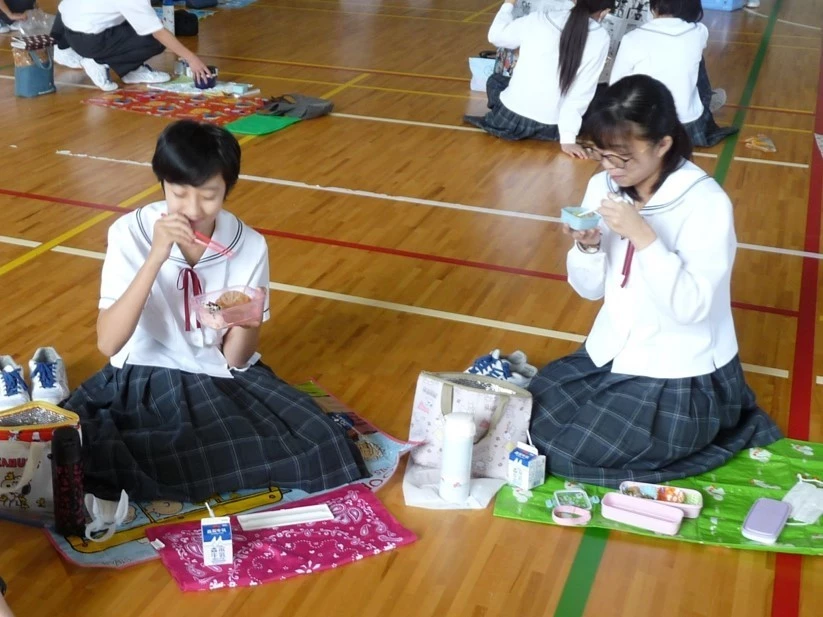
x,y
400,241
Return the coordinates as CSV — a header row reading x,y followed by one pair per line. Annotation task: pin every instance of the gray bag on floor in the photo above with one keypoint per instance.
x,y
297,106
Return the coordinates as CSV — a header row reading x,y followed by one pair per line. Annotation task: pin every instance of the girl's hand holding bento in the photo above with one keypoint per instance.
x,y
624,219
587,237
258,321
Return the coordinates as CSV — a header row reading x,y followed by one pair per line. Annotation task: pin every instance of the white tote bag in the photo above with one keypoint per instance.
x,y
26,493
501,412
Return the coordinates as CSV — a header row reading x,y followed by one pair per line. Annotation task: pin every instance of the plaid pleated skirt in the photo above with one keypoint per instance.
x,y
704,132
602,428
504,123
159,433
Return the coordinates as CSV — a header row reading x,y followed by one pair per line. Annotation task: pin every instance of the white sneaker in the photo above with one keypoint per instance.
x,y
49,382
16,26
13,388
146,75
99,74
4,29
753,4
68,58
718,99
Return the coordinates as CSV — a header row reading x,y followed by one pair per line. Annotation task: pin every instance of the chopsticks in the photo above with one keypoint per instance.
x,y
204,240
212,244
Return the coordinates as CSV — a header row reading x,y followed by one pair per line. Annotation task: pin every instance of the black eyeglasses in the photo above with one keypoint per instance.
x,y
615,160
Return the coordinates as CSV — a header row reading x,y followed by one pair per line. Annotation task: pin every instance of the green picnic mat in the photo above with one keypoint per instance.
x,y
728,494
257,124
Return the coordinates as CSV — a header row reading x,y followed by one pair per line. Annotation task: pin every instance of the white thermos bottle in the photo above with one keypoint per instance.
x,y
456,467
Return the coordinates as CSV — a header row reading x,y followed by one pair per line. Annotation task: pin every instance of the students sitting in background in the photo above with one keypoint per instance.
x,y
670,49
561,56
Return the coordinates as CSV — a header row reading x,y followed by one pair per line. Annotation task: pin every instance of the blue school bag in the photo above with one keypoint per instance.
x,y
33,66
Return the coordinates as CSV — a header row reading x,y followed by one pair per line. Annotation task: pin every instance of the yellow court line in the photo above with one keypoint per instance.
x,y
341,87
393,6
74,231
778,128
356,86
479,13
755,43
366,13
332,67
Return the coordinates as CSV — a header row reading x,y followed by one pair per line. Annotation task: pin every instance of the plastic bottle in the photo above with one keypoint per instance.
x,y
456,466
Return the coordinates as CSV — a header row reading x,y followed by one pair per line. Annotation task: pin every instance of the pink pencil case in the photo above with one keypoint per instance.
x,y
686,499
213,312
643,513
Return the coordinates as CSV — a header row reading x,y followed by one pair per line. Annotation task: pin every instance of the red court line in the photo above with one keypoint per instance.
x,y
788,573
381,249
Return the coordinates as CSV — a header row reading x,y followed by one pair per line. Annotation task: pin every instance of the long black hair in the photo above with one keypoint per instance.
x,y
574,36
687,10
639,107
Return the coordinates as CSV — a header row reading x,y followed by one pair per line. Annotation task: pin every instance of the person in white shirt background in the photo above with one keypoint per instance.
x,y
657,391
12,11
561,56
670,49
122,35
183,411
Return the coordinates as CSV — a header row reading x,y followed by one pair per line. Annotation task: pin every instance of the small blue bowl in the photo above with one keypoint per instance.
x,y
571,216
211,82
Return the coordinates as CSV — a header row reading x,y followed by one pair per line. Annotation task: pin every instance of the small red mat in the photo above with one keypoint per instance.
x,y
219,110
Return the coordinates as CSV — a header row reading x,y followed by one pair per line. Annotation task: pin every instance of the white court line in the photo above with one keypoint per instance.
x,y
452,127
782,21
19,242
424,202
399,308
820,381
449,127
432,125
765,370
344,191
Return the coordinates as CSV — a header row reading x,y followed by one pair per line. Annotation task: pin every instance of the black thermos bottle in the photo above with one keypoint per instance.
x,y
67,480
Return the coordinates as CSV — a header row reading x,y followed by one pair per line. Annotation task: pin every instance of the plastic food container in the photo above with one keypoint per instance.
x,y
222,309
643,513
574,217
766,520
211,82
686,499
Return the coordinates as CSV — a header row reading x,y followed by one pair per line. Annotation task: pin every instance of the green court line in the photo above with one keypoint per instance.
x,y
580,579
725,158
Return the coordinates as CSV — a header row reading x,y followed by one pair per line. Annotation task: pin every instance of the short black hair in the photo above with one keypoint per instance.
x,y
687,10
641,107
190,153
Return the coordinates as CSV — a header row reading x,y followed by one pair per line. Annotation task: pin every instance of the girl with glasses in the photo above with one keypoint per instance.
x,y
657,391
562,53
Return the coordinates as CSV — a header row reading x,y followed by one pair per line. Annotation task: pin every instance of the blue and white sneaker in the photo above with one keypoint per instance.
x,y
13,388
511,368
49,382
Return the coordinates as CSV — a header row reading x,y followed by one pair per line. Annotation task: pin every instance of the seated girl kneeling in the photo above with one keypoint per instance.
x,y
657,392
182,412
